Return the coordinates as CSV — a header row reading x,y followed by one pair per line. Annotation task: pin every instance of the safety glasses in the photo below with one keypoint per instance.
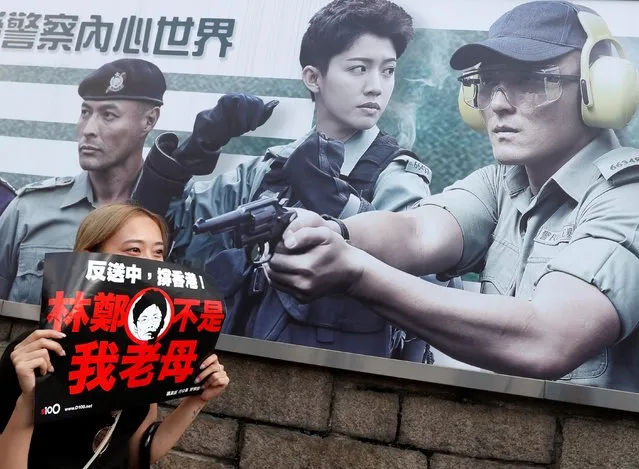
x,y
523,88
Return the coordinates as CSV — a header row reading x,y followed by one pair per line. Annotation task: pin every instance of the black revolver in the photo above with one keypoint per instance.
x,y
257,226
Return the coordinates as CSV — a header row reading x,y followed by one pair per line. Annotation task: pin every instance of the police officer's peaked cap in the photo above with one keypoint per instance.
x,y
132,79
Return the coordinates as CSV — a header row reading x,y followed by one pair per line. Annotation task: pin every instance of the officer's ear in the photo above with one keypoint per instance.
x,y
151,117
311,76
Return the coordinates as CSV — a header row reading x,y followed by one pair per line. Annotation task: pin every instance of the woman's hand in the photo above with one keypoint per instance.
x,y
213,378
32,354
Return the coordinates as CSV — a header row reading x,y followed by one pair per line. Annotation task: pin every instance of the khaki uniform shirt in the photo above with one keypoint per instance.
x,y
44,217
583,222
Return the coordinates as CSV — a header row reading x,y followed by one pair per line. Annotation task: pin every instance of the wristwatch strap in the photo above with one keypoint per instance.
x,y
342,226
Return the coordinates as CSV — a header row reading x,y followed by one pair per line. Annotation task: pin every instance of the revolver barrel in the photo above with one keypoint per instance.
x,y
229,221
226,222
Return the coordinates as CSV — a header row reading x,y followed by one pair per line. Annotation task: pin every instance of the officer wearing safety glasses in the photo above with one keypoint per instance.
x,y
552,227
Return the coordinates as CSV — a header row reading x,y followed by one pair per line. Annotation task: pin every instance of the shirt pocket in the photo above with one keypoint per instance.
x,y
27,287
499,271
536,267
533,271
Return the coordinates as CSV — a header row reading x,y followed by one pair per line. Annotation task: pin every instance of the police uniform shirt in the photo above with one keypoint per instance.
x,y
583,222
44,217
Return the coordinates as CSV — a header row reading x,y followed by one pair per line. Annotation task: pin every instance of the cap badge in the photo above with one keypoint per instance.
x,y
116,83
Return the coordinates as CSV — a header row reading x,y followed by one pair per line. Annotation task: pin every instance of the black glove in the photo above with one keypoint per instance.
x,y
162,177
313,170
234,115
168,167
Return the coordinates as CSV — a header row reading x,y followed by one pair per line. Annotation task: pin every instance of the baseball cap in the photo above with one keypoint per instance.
x,y
531,32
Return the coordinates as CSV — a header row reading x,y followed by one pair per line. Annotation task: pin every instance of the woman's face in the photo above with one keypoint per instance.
x,y
140,236
149,322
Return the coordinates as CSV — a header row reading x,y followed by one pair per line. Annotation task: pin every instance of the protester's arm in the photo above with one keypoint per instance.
x,y
16,438
214,381
30,354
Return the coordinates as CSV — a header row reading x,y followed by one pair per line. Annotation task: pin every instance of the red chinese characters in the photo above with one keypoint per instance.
x,y
186,314
140,358
109,312
94,364
178,360
60,316
212,316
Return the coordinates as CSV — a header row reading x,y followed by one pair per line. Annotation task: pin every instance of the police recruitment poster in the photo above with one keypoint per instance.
x,y
206,50
136,332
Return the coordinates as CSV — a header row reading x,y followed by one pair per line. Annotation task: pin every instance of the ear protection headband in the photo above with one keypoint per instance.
x,y
609,86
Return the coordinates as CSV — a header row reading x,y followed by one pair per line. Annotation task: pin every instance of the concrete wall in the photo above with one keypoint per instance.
x,y
281,415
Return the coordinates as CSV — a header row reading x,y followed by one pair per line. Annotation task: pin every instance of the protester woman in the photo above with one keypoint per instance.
x,y
127,438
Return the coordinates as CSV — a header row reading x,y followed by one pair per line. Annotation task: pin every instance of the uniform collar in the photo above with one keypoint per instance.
x,y
80,190
573,178
354,147
577,174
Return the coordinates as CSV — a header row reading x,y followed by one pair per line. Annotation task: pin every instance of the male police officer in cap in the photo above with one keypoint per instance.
x,y
552,227
121,105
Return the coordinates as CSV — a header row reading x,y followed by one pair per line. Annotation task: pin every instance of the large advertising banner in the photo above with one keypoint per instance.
x,y
209,49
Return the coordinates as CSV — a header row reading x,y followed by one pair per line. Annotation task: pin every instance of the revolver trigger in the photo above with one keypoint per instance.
x,y
261,253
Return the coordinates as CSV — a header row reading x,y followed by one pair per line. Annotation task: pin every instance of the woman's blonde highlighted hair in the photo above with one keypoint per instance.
x,y
104,222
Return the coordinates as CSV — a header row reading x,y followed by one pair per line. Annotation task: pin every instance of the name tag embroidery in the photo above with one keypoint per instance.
x,y
553,238
414,166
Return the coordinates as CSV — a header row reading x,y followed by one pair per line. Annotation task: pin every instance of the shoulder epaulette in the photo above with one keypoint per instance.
x,y
620,165
49,183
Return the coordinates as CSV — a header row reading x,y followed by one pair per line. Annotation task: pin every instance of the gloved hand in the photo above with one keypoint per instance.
x,y
234,115
313,170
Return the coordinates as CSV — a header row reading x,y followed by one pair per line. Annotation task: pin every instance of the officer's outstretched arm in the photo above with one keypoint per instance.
x,y
542,338
421,241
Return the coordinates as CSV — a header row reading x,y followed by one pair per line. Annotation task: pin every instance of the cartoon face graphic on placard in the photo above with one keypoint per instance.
x,y
149,316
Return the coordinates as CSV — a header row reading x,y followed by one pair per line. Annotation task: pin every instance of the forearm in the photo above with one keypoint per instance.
x,y
174,425
502,334
430,239
16,438
162,177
